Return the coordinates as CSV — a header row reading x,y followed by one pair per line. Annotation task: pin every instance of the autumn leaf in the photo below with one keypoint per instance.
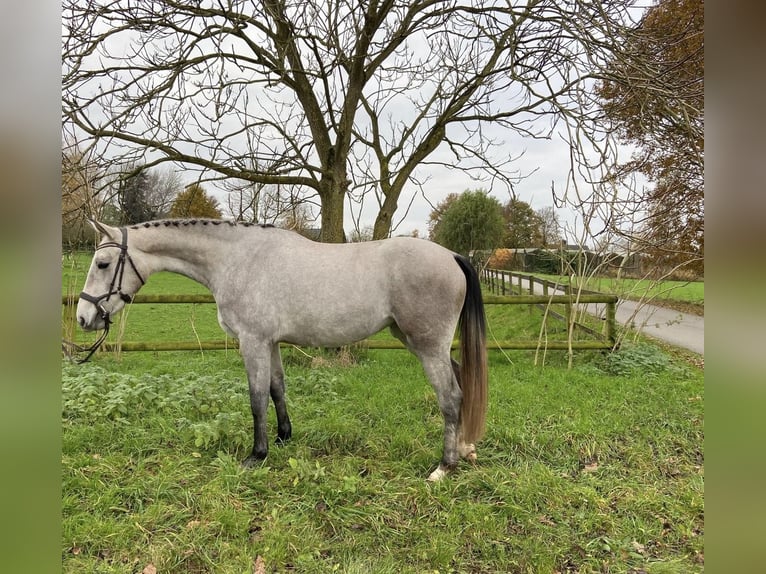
x,y
259,566
546,520
149,569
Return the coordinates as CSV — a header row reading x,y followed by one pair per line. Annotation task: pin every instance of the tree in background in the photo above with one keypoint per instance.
x,y
195,202
471,221
654,97
163,186
90,189
435,217
298,217
523,227
79,198
359,235
550,228
133,198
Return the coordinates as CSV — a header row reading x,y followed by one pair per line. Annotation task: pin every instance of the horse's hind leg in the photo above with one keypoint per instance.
x,y
438,369
442,372
284,428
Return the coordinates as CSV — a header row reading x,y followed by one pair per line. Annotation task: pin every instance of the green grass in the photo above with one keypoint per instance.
x,y
597,468
689,292
581,469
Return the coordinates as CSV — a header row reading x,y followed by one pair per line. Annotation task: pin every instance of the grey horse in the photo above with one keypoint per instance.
x,y
272,285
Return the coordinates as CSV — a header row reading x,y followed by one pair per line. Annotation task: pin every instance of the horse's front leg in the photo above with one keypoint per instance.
x,y
257,359
284,427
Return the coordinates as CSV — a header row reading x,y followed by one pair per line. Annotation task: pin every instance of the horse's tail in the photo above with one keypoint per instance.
x,y
473,357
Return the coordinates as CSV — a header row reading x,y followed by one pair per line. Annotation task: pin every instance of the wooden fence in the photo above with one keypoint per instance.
x,y
522,288
605,341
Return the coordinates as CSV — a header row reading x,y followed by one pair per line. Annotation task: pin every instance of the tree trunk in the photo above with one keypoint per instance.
x,y
383,220
382,227
333,202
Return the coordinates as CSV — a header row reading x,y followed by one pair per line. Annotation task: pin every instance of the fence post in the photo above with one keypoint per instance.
x,y
611,314
502,282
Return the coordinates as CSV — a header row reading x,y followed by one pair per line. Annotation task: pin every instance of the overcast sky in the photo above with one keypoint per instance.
x,y
543,162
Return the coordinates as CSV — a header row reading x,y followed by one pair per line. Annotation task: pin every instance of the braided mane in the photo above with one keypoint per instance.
x,y
201,222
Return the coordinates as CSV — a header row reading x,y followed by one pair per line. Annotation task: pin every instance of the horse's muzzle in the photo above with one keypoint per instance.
x,y
94,324
92,317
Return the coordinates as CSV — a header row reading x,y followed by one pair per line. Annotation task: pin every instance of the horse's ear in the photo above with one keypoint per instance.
x,y
106,231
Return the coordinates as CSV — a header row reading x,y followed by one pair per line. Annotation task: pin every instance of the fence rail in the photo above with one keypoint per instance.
x,y
602,342
502,281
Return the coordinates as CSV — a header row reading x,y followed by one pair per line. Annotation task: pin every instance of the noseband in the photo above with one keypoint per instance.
x,y
119,272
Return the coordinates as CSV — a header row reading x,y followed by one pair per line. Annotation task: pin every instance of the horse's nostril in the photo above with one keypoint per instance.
x,y
81,321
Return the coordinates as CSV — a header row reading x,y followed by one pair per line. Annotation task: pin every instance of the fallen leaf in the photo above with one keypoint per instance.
x,y
591,467
149,569
547,521
259,566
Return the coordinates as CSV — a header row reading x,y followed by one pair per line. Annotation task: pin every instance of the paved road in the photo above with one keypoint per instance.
x,y
680,329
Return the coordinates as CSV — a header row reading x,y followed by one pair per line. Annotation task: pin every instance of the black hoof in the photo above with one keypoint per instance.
x,y
253,460
283,437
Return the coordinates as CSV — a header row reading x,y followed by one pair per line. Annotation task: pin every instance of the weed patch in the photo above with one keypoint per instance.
x,y
640,359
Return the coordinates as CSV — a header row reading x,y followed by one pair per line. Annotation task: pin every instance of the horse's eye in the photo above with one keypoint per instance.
x,y
102,264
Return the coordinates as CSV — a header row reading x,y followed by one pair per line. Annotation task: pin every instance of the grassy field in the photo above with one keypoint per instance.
x,y
686,296
597,468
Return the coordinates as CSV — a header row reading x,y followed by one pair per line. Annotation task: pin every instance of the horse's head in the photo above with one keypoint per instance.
x,y
112,279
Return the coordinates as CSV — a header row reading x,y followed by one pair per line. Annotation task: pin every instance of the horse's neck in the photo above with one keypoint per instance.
x,y
197,254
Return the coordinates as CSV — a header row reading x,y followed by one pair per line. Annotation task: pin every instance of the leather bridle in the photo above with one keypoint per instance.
x,y
119,272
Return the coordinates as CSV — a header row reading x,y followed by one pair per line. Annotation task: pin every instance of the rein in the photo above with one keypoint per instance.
x,y
119,272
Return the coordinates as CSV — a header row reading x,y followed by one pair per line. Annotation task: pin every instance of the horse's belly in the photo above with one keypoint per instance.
x,y
225,326
334,333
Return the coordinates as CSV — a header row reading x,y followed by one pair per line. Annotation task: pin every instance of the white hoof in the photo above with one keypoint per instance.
x,y
437,475
468,452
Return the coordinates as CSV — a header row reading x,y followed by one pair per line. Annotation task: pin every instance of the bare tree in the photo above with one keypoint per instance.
x,y
263,203
550,228
79,177
346,99
163,186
